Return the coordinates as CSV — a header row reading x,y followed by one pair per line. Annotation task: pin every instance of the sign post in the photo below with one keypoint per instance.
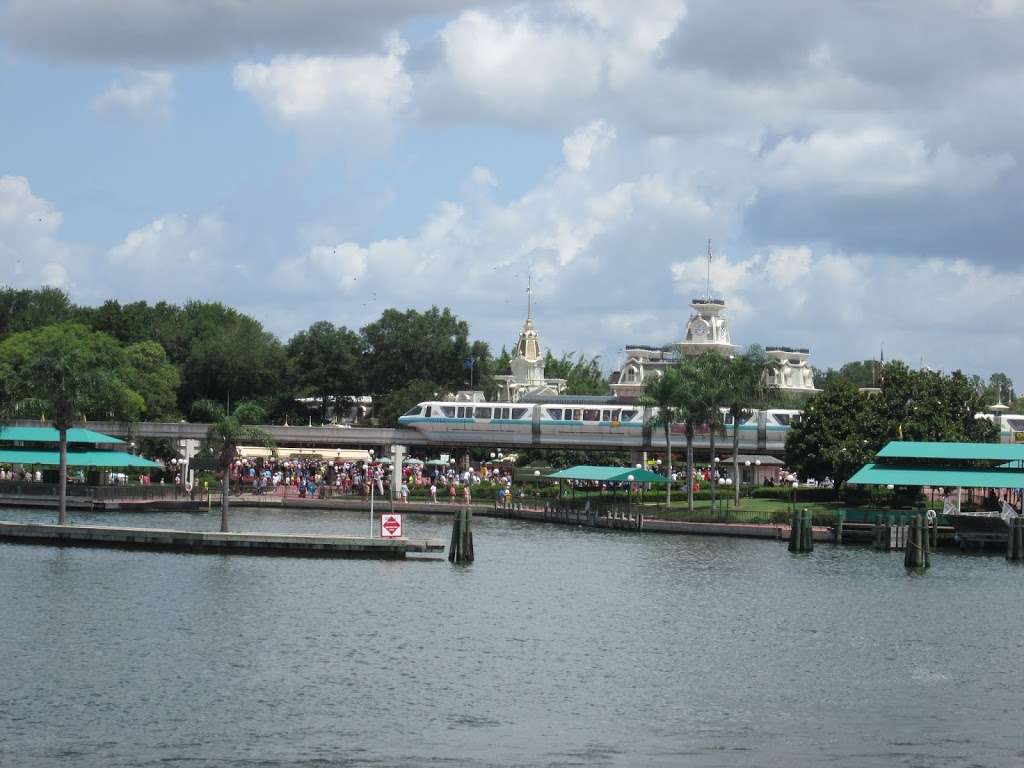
x,y
391,525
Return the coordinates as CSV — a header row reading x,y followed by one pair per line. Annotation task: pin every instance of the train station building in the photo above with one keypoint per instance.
x,y
707,330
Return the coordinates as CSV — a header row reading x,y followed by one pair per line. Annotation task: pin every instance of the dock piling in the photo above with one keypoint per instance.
x,y
461,549
1015,540
801,533
917,555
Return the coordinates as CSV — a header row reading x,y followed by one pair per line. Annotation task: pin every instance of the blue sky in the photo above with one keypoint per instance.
x,y
855,165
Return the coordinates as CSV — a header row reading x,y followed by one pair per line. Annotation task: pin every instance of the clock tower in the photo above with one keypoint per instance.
x,y
708,329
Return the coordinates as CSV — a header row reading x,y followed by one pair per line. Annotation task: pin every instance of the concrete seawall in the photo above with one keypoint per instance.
x,y
170,540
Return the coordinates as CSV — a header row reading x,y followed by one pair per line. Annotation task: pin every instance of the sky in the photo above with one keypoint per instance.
x,y
855,165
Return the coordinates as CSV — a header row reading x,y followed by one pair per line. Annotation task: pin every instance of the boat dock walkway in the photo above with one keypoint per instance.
x,y
214,542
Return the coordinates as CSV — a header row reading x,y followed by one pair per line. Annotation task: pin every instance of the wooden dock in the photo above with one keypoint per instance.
x,y
213,542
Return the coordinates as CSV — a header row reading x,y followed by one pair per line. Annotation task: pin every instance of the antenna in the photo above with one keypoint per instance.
x,y
529,297
708,294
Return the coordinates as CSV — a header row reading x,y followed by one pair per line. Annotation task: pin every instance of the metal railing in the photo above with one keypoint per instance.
x,y
95,492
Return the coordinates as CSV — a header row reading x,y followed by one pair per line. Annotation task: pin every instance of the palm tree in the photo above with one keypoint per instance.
x,y
663,394
224,437
710,391
746,387
691,411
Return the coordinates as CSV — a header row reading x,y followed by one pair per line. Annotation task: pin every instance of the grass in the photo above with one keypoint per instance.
x,y
749,510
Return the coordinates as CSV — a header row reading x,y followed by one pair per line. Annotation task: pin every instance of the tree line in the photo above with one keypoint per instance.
x,y
200,359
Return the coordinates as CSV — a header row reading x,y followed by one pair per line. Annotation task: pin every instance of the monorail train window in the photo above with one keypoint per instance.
x,y
414,411
591,414
448,411
606,415
616,416
1015,425
628,415
427,412
728,419
518,413
577,414
505,412
555,414
460,412
783,419
482,413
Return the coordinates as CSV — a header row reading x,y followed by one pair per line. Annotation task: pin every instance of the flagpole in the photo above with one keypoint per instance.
x,y
708,294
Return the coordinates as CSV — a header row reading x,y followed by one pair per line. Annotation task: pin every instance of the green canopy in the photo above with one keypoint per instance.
x,y
908,449
106,459
51,435
607,474
437,463
873,474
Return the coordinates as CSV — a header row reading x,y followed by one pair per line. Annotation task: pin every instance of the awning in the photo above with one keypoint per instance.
x,y
51,435
322,453
766,461
873,474
607,474
908,449
105,459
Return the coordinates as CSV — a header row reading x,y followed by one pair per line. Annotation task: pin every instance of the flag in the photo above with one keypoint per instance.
x,y
899,432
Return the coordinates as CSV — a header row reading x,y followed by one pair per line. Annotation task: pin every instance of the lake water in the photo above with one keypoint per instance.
x,y
558,647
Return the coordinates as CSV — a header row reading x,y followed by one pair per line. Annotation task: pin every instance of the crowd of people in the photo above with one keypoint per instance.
x,y
322,478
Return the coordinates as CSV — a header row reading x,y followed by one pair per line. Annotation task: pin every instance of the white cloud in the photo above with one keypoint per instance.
x,y
171,244
582,145
877,160
30,251
145,94
364,92
515,67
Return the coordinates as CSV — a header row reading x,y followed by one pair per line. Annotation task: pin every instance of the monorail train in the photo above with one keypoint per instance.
x,y
567,424
580,424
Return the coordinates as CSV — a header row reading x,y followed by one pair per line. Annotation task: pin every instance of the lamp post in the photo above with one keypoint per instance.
x,y
792,497
629,496
536,478
372,475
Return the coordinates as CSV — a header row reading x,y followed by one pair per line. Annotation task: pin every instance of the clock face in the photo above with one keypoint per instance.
x,y
699,329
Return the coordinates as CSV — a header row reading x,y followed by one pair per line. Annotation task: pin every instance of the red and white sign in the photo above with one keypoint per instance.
x,y
391,526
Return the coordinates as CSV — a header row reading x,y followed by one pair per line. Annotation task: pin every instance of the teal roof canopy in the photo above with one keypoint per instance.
x,y
873,474
607,474
51,435
99,459
906,449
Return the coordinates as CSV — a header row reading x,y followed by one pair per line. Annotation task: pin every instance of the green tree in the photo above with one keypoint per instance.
x,y
583,376
927,406
830,439
663,393
26,310
66,372
147,371
744,389
403,346
327,362
229,358
387,410
223,438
